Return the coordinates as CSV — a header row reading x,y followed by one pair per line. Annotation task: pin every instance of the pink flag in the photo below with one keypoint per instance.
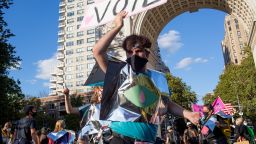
x,y
197,108
218,105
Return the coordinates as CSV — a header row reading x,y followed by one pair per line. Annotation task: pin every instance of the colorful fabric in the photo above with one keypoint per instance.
x,y
140,96
223,115
198,108
159,80
61,137
218,105
137,130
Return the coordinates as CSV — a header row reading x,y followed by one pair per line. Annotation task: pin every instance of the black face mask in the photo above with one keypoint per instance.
x,y
34,114
205,114
137,63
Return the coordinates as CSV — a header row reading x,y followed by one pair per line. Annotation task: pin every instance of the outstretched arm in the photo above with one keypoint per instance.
x,y
179,111
68,106
100,48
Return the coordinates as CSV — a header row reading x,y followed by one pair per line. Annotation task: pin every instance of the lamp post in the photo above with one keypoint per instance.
x,y
240,112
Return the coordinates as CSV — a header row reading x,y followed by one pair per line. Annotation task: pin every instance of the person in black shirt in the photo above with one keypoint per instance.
x,y
25,131
241,132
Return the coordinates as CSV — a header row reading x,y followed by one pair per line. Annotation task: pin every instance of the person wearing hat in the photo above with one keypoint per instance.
x,y
25,131
190,134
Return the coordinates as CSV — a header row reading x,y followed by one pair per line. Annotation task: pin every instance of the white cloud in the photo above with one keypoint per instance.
x,y
186,62
170,41
45,67
201,60
33,81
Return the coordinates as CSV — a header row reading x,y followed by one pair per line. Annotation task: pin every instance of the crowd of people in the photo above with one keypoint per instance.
x,y
25,132
130,107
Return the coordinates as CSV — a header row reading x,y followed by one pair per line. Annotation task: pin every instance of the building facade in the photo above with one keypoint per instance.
x,y
235,40
75,58
54,106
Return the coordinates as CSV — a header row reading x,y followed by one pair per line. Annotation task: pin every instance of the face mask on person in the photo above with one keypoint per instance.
x,y
205,114
34,114
137,63
9,129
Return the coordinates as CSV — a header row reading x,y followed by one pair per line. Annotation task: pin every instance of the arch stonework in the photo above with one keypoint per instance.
x,y
151,22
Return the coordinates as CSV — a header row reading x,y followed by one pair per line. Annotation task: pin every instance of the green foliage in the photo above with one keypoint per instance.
x,y
10,92
72,122
76,100
239,81
180,92
209,98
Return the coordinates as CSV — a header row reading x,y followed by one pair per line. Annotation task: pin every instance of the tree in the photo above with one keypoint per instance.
x,y
209,98
10,92
180,92
238,83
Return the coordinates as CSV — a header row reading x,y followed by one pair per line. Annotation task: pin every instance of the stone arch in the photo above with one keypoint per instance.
x,y
150,23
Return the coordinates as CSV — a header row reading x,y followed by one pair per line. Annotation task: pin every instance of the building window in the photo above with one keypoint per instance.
x,y
70,28
69,21
70,6
79,83
80,67
90,40
241,46
229,28
236,21
70,43
90,65
70,68
69,76
79,75
90,2
80,58
79,42
70,13
80,11
80,5
239,34
237,26
78,26
81,33
70,36
90,31
228,22
69,84
89,48
70,0
79,50
69,52
69,60
90,57
80,18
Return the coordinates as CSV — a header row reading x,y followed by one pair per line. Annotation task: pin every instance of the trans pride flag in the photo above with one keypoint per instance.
x,y
218,105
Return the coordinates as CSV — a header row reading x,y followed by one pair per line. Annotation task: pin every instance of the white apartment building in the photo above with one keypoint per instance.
x,y
75,59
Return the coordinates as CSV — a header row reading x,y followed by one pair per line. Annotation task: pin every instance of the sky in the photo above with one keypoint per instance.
x,y
190,45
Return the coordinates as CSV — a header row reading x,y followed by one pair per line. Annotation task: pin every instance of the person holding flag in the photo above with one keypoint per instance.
x,y
210,131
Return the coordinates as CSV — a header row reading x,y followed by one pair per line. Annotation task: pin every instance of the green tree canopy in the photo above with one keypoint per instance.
x,y
239,81
181,93
10,92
